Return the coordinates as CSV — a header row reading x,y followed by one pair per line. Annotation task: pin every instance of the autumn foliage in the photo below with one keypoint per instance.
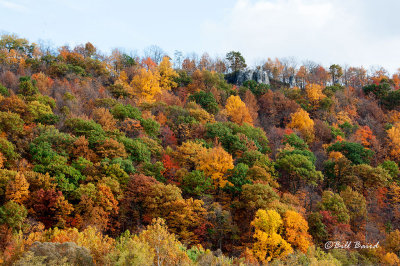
x,y
174,160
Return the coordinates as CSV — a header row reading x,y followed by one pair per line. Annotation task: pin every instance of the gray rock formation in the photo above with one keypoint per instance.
x,y
48,253
244,75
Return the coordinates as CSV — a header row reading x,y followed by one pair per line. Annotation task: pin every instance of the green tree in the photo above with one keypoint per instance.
x,y
13,215
237,177
257,89
4,91
355,152
27,87
236,61
392,168
206,101
336,72
297,170
356,204
196,183
334,203
379,91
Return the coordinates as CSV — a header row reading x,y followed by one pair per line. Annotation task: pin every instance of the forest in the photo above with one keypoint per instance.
x,y
121,159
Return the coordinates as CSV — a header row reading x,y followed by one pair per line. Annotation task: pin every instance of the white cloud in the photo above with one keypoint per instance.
x,y
327,31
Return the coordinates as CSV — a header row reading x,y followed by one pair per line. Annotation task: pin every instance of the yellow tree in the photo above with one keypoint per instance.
x,y
215,163
167,249
269,244
237,110
296,230
2,160
167,74
18,189
186,154
314,93
301,121
394,137
145,85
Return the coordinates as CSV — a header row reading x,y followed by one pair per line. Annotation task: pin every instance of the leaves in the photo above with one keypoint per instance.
x,y
215,163
237,110
269,244
301,121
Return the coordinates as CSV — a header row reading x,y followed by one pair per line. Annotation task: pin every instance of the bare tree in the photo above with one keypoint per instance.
x,y
178,58
155,53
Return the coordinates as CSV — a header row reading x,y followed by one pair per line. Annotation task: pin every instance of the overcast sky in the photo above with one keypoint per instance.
x,y
354,32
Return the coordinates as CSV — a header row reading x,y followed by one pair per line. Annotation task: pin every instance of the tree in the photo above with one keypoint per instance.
x,y
237,110
314,94
297,170
365,136
155,53
4,91
146,85
258,196
110,148
334,203
50,207
97,204
206,101
167,74
11,123
269,244
296,230
186,154
378,90
301,121
391,259
13,214
256,88
166,247
27,87
104,118
392,168
17,189
355,152
372,177
392,242
336,72
130,250
356,204
394,137
196,183
236,61
215,163
237,177
252,105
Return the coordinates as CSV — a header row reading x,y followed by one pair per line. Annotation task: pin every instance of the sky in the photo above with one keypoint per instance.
x,y
353,32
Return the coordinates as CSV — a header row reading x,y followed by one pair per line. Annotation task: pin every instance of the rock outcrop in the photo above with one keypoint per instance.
x,y
49,253
242,76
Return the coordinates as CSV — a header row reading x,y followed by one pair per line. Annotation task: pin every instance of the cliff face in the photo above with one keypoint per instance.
x,y
242,76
